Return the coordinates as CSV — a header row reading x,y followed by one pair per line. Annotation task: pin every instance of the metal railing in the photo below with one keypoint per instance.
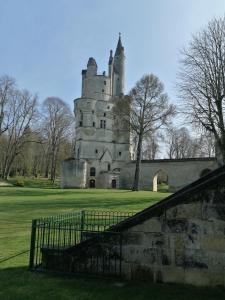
x,y
68,230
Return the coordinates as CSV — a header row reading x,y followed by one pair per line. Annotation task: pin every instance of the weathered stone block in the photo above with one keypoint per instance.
x,y
185,211
199,277
151,225
175,225
172,274
214,242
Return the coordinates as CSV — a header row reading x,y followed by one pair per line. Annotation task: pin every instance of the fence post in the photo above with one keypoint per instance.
x,y
82,222
32,244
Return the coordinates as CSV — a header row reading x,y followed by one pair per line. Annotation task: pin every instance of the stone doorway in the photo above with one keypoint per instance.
x,y
92,183
113,184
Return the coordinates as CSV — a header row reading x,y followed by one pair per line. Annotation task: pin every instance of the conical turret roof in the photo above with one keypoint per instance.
x,y
119,48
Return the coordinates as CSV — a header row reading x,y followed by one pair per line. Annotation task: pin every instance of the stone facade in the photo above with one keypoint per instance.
x,y
102,157
181,239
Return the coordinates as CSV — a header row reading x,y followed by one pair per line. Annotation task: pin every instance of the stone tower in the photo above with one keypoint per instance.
x,y
102,140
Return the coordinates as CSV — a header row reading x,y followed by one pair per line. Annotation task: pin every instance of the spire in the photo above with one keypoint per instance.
x,y
111,57
119,48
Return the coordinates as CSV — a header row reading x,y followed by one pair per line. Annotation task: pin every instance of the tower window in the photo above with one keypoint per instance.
x,y
108,107
81,123
104,82
93,111
103,124
109,167
92,171
103,90
120,153
104,114
93,124
96,151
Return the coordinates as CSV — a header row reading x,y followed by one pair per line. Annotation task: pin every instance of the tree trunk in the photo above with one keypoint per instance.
x,y
137,166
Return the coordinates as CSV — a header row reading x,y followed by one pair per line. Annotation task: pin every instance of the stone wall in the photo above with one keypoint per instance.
x,y
181,239
180,172
183,242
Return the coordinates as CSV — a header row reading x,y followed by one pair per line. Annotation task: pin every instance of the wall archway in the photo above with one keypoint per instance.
x,y
160,177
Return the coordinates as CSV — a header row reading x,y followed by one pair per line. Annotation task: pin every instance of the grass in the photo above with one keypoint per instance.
x,y
18,206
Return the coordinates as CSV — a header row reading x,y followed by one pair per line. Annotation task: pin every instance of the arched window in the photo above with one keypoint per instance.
x,y
92,171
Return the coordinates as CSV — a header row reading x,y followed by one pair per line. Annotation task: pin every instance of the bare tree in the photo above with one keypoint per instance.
x,y
7,89
180,144
150,146
145,110
202,80
57,121
21,113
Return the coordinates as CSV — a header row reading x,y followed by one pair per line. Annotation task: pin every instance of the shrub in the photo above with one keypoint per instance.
x,y
19,182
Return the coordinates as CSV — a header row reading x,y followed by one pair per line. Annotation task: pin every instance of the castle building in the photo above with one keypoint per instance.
x,y
102,156
102,140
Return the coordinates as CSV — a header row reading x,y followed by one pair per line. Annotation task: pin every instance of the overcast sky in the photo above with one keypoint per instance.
x,y
46,43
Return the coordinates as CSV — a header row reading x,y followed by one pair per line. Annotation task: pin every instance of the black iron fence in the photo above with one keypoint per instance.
x,y
64,232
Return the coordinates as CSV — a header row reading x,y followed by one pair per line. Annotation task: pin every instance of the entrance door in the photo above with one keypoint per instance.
x,y
113,183
92,183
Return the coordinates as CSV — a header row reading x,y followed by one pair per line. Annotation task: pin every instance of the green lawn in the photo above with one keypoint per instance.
x,y
18,206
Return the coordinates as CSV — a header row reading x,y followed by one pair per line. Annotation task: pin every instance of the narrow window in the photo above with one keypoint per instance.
x,y
104,124
104,82
78,152
81,123
93,124
92,171
101,123
93,112
104,114
120,153
109,167
103,90
96,151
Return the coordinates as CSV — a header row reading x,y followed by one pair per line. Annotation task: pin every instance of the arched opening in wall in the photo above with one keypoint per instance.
x,y
160,182
113,184
205,172
92,183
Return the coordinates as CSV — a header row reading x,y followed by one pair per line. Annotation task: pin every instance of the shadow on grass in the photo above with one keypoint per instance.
x,y
20,284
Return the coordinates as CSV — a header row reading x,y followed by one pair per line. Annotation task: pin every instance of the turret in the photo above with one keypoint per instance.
x,y
91,67
118,69
110,70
